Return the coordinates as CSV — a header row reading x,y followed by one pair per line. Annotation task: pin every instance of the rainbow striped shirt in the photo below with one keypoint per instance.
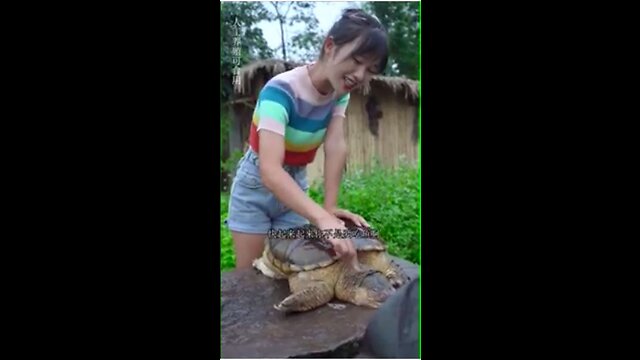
x,y
291,106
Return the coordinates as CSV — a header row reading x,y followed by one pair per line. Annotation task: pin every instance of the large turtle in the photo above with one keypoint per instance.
x,y
316,276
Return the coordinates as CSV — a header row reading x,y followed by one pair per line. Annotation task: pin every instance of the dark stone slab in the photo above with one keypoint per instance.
x,y
252,328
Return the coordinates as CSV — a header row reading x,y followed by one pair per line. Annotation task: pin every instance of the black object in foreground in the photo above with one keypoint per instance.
x,y
393,330
252,328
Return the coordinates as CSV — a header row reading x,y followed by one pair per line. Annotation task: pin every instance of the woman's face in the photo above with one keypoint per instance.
x,y
347,72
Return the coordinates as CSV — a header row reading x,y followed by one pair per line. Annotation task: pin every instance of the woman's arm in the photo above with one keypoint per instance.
x,y
287,191
281,184
272,115
335,157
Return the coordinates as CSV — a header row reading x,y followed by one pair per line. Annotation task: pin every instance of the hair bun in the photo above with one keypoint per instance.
x,y
359,14
354,13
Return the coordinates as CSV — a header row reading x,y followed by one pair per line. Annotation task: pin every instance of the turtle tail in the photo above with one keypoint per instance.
x,y
269,266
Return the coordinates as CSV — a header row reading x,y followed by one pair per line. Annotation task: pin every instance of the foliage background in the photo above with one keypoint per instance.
x,y
388,198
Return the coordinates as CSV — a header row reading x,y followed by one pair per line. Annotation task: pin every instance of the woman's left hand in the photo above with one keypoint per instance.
x,y
348,215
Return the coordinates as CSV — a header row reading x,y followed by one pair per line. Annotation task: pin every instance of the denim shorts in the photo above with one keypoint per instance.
x,y
253,208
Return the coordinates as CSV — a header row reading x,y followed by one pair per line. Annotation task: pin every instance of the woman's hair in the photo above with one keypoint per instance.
x,y
356,24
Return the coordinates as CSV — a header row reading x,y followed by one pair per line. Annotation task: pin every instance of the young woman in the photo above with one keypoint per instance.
x,y
296,112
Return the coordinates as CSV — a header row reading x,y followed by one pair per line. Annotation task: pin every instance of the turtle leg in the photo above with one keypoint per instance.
x,y
379,260
314,294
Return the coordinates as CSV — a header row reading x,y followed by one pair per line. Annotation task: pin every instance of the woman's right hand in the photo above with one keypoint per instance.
x,y
342,245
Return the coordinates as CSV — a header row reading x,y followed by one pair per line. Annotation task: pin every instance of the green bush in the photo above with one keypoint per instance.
x,y
227,167
227,257
389,199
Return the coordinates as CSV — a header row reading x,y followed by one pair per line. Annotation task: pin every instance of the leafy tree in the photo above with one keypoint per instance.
x,y
402,21
242,43
241,40
305,45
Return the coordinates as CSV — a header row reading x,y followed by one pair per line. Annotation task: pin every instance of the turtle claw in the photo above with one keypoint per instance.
x,y
337,306
397,276
395,280
375,305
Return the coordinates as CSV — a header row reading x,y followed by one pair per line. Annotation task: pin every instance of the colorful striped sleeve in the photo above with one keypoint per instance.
x,y
341,105
273,109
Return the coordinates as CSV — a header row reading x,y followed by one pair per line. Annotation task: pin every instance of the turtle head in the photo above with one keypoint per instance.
x,y
373,289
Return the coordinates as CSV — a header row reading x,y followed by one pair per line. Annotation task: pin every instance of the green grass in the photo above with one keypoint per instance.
x,y
388,199
227,257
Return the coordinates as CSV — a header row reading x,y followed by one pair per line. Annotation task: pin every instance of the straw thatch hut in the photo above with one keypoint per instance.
x,y
382,119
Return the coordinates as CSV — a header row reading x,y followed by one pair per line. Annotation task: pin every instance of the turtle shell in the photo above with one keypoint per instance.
x,y
303,249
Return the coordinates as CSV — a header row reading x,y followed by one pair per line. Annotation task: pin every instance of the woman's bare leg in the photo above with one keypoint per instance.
x,y
248,247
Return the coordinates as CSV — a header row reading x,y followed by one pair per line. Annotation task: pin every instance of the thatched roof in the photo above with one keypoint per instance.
x,y
269,68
